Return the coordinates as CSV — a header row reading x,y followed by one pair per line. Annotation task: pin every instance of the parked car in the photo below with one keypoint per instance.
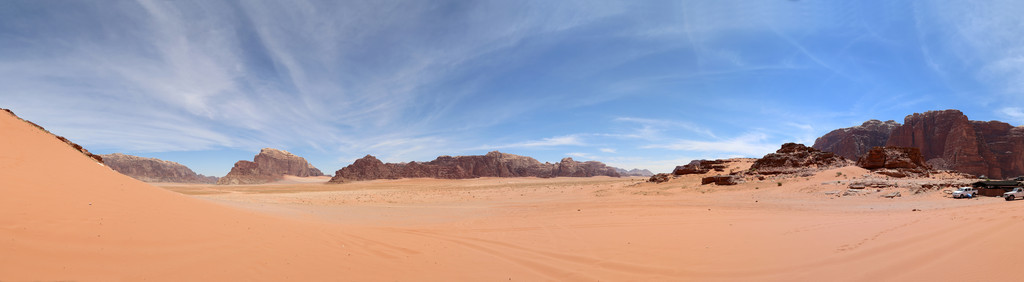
x,y
965,192
1016,193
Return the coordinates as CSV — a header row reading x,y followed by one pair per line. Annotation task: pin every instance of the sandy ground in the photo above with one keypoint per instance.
x,y
64,217
626,229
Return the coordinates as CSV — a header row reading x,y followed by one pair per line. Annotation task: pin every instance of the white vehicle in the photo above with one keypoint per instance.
x,y
1016,193
964,192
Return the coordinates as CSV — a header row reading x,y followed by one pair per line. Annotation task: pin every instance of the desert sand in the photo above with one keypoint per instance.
x,y
65,217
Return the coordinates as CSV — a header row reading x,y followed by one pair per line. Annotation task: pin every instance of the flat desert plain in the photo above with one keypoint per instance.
x,y
65,217
616,229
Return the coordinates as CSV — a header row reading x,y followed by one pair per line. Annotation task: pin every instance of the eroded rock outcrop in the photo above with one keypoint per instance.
x,y
268,166
493,164
721,180
700,167
154,170
660,178
947,135
797,158
895,161
854,142
948,140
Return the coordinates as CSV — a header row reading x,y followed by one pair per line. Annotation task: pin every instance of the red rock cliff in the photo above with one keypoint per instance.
x,y
854,142
947,140
269,165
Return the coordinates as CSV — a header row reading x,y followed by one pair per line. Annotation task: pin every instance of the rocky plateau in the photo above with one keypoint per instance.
x,y
493,164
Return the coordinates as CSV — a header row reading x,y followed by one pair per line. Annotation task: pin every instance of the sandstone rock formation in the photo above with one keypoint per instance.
x,y
634,172
700,167
268,166
721,180
85,152
854,142
154,170
660,178
895,161
493,164
949,141
796,158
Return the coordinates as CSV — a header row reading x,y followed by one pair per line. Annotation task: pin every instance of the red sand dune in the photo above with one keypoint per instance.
x,y
63,216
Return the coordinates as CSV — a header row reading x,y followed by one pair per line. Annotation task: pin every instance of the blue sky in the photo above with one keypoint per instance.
x,y
645,84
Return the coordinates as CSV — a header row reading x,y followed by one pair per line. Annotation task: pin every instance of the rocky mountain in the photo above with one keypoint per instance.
x,y
635,172
493,164
268,166
948,140
154,170
895,161
854,142
796,158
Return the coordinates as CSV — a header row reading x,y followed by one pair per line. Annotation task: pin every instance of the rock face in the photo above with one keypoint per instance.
x,y
893,157
268,166
634,172
895,161
795,158
946,136
493,164
949,141
154,170
854,142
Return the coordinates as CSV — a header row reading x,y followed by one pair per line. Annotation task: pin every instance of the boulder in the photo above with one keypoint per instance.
x,y
659,178
895,161
720,180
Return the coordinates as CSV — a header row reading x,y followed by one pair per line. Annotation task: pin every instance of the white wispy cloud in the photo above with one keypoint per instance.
x,y
580,155
200,75
567,140
753,144
1015,114
667,124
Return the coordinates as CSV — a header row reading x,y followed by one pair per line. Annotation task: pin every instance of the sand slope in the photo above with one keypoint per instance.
x,y
65,217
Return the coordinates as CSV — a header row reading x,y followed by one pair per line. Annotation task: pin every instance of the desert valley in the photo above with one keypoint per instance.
x,y
448,140
797,214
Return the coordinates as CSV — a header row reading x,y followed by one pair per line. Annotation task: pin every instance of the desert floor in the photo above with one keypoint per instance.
x,y
616,229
